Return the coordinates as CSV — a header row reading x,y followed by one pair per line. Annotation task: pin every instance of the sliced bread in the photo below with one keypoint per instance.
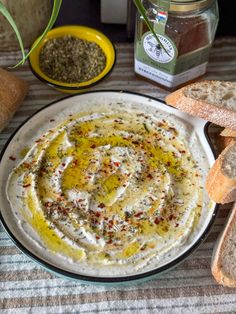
x,y
221,179
226,137
224,255
12,92
222,142
228,133
214,101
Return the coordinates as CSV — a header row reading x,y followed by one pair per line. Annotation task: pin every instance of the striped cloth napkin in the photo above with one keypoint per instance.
x,y
189,288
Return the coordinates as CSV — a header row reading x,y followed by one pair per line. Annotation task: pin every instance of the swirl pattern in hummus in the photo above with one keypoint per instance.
x,y
115,189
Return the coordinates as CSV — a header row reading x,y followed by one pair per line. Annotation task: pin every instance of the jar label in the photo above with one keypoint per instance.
x,y
149,52
155,51
166,79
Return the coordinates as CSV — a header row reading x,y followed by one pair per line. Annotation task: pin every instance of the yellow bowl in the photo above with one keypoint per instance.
x,y
81,32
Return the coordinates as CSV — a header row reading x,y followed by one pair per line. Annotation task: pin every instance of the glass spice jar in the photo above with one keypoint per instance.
x,y
186,30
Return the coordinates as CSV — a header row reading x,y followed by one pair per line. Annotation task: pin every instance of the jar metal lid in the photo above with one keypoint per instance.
x,y
187,5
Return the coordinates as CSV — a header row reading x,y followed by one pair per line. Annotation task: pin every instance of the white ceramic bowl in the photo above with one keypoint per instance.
x,y
36,125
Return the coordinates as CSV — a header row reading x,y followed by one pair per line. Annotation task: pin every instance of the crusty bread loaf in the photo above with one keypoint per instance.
x,y
228,133
221,179
214,101
12,92
224,255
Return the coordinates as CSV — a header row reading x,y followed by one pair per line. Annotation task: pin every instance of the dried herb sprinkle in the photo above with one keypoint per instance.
x,y
70,59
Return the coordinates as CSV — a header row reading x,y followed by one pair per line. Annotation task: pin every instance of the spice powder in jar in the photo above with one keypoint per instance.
x,y
186,31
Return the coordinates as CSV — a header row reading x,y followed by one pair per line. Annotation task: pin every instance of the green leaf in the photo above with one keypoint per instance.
x,y
142,11
54,15
8,16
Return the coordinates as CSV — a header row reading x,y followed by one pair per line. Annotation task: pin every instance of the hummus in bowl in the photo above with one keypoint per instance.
x,y
112,186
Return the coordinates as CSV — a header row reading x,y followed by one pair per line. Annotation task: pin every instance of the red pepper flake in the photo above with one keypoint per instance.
x,y
157,221
168,163
93,146
117,163
182,151
26,185
51,120
111,222
93,221
63,164
48,204
176,225
149,176
64,210
12,158
27,165
135,142
97,214
171,217
38,141
97,237
101,205
138,214
75,162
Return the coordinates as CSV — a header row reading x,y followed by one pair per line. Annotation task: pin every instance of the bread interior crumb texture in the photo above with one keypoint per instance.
x,y
218,93
229,162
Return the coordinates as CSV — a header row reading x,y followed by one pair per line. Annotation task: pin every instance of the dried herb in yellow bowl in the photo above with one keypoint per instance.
x,y
73,58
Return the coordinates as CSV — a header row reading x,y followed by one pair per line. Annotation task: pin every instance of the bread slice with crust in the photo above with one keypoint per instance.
x,y
214,101
12,93
223,264
226,137
228,133
221,179
222,142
